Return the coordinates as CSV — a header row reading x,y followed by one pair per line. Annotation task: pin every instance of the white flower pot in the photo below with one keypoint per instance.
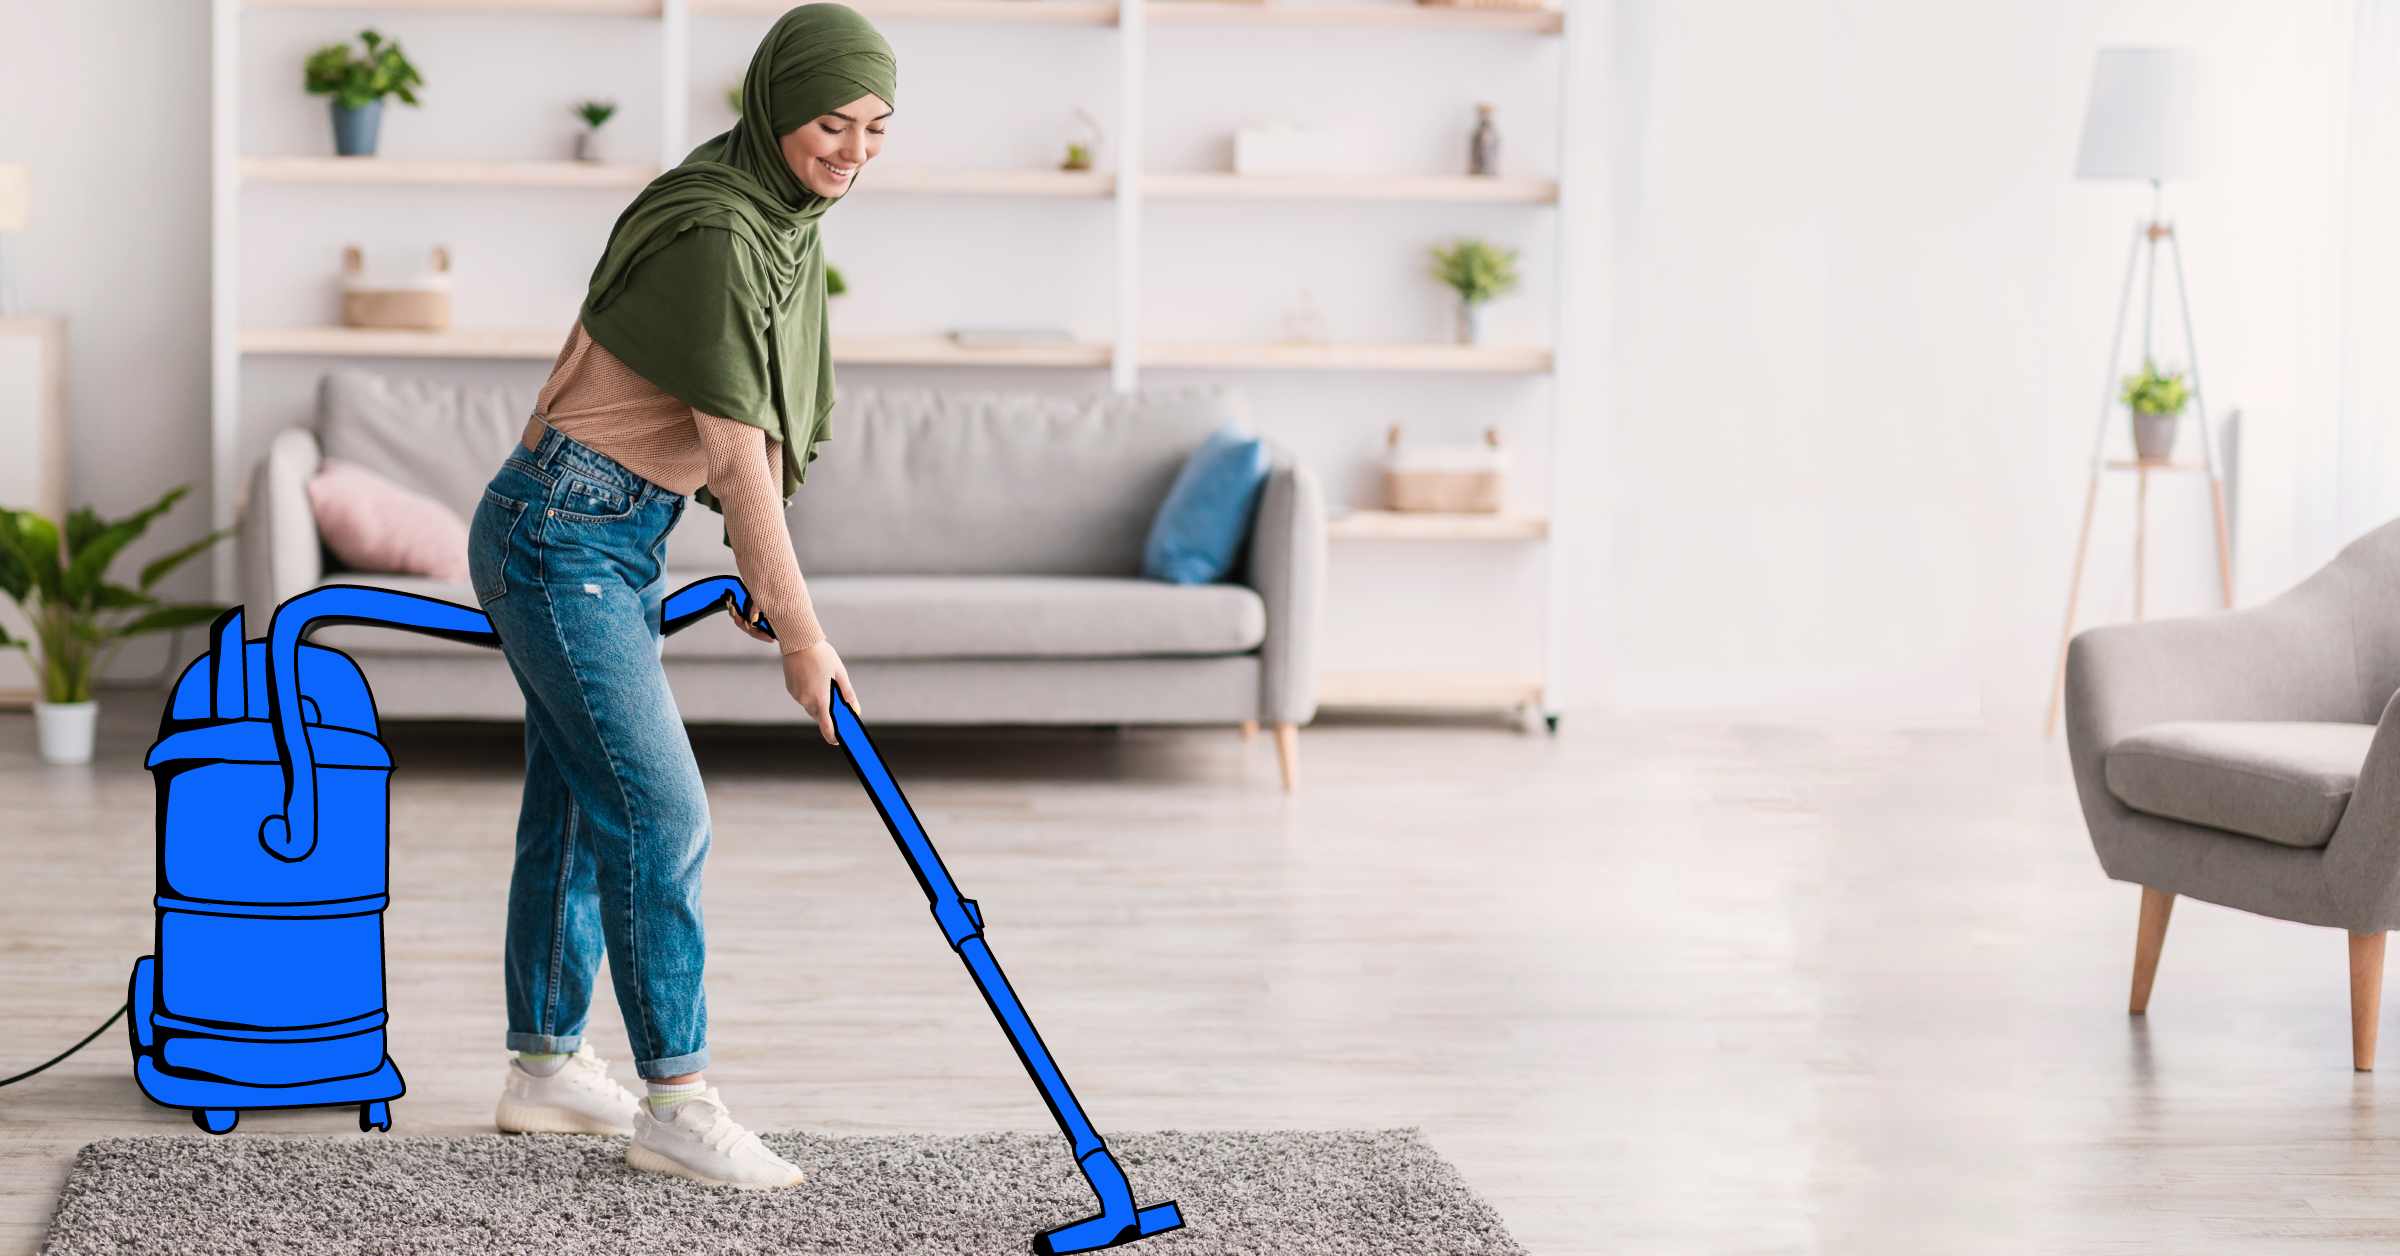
x,y
66,730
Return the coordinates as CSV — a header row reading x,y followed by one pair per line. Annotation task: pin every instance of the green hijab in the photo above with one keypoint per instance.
x,y
713,283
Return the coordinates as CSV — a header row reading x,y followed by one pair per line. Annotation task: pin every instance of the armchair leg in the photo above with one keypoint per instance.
x,y
1287,751
1249,730
2366,997
2148,938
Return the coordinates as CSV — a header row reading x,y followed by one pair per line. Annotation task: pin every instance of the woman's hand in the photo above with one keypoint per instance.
x,y
808,675
734,613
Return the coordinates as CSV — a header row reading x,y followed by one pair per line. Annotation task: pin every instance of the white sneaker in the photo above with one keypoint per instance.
x,y
580,1098
702,1143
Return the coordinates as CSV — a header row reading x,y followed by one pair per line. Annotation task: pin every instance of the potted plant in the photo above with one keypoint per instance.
x,y
595,114
1478,271
2155,399
834,286
358,86
79,619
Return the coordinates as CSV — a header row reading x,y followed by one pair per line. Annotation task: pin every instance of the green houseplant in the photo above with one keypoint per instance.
x,y
595,114
2156,399
59,579
1479,272
358,86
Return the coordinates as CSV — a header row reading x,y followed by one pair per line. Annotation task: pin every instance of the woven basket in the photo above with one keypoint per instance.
x,y
1447,479
407,302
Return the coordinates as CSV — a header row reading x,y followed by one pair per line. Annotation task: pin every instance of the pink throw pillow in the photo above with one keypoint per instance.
x,y
372,524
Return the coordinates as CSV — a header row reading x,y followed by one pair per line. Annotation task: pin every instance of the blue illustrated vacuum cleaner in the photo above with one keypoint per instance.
x,y
266,990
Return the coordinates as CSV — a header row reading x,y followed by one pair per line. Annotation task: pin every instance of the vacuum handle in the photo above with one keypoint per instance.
x,y
695,601
293,835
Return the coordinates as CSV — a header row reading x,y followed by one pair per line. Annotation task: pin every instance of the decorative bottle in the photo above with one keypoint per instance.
x,y
1483,149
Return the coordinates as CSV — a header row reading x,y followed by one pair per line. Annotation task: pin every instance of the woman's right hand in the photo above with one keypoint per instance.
x,y
808,675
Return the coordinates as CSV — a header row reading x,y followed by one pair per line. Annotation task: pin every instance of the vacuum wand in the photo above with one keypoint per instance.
x,y
1118,1221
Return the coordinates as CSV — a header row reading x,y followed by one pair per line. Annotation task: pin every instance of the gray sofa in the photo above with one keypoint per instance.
x,y
974,556
2252,759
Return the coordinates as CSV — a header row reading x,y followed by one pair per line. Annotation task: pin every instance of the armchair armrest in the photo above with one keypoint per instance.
x,y
1287,568
2362,859
2291,659
282,555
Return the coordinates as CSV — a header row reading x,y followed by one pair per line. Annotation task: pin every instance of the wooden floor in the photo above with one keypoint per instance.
x,y
1654,988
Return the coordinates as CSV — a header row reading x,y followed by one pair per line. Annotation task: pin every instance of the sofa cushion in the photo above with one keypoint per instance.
x,y
927,617
919,482
441,439
2287,782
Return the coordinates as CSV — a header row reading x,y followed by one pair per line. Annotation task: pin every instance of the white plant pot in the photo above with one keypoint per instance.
x,y
66,730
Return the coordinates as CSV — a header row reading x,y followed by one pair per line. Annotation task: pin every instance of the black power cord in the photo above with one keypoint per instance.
x,y
87,1041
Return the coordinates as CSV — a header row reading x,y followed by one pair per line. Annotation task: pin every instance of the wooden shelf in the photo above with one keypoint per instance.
x,y
1069,12
1360,187
992,182
1416,16
1375,689
1214,185
387,170
376,342
1416,525
626,8
940,351
1349,357
369,342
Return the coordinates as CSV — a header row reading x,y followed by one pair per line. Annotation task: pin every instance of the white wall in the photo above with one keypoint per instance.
x,y
107,101
1862,317
1843,384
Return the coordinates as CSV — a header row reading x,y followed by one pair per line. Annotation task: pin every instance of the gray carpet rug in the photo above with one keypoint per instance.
x,y
1291,1193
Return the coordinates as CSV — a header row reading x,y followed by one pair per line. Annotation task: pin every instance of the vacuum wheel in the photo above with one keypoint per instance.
x,y
375,1116
215,1120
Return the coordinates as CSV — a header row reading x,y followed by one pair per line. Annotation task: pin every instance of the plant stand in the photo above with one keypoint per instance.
x,y
2146,238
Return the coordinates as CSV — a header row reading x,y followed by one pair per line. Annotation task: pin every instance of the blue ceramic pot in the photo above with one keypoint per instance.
x,y
354,129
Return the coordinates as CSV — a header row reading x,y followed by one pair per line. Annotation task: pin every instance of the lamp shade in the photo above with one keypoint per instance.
x,y
16,197
2143,118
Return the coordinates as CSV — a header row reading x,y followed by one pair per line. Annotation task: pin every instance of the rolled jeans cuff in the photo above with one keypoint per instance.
x,y
672,1066
545,1044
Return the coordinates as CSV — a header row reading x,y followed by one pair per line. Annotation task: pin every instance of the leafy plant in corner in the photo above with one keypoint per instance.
x,y
834,286
61,583
595,113
2149,392
1477,270
733,96
356,82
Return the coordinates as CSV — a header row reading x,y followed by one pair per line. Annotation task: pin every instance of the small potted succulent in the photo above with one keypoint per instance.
x,y
1478,271
595,114
59,579
2155,399
358,86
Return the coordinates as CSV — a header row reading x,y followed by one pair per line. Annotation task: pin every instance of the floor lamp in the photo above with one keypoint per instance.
x,y
2140,125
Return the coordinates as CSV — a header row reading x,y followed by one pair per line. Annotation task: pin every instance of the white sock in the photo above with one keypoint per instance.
x,y
542,1063
664,1100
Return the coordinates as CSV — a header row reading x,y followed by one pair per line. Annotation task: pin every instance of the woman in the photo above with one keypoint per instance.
x,y
699,367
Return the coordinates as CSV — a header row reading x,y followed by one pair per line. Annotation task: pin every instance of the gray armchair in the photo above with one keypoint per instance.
x,y
2252,759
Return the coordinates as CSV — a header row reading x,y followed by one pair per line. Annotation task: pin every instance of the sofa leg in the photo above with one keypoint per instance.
x,y
2366,997
1249,730
1287,751
2157,905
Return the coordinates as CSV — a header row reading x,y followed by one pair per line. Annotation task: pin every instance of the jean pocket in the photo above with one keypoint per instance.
x,y
489,537
589,501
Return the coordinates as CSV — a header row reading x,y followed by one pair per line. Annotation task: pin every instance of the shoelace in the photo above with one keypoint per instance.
x,y
721,1134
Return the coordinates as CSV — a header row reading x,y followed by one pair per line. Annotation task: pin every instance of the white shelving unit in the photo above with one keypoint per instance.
x,y
1124,355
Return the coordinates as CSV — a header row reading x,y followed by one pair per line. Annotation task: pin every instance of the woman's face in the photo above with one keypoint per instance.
x,y
827,152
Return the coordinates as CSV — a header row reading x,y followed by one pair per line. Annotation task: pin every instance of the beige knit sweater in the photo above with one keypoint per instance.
x,y
602,403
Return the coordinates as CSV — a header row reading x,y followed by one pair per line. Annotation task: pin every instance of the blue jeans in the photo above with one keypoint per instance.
x,y
567,552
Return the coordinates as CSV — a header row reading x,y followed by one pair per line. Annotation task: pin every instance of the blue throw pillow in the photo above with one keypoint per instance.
x,y
1199,528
